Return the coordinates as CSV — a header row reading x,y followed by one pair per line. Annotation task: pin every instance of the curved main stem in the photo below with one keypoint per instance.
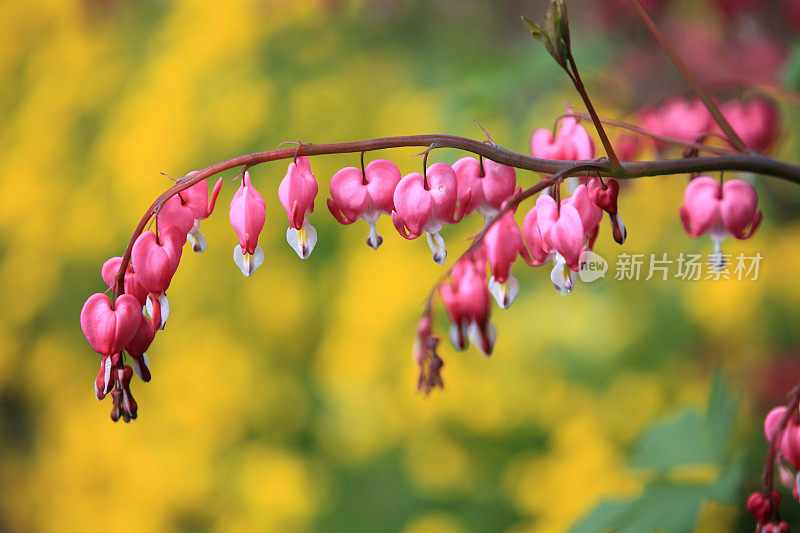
x,y
636,169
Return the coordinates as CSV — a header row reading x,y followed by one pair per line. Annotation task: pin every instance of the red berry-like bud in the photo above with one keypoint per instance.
x,y
759,506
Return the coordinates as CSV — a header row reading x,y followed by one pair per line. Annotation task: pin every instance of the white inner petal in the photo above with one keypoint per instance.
x,y
248,263
436,244
107,375
197,239
504,293
374,240
562,277
162,300
622,227
302,240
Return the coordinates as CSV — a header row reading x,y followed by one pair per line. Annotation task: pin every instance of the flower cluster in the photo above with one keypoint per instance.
x,y
756,119
557,230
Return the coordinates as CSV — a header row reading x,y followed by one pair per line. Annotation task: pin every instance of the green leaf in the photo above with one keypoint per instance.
x,y
536,30
667,508
721,413
677,442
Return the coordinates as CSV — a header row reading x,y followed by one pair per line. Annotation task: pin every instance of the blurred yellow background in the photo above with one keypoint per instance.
x,y
286,402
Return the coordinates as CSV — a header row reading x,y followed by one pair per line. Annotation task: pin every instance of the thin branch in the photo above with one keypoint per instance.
x,y
635,169
509,205
598,124
709,102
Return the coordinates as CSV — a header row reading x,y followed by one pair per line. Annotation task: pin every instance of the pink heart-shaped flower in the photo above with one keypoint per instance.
x,y
155,260
109,330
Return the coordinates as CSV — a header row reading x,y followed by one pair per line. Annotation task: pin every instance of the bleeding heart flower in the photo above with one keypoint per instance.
x,y
720,210
571,143
366,195
557,235
605,197
132,286
108,329
196,199
467,303
755,119
155,258
678,118
483,188
137,347
426,205
247,215
501,245
297,192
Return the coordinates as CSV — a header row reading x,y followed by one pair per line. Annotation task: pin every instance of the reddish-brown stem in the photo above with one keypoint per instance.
x,y
598,125
698,89
511,204
635,169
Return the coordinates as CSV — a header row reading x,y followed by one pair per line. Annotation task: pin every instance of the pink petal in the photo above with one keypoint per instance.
x,y
533,238
382,179
297,191
412,203
590,213
498,183
247,215
567,235
155,260
443,192
739,208
470,191
349,193
108,330
700,210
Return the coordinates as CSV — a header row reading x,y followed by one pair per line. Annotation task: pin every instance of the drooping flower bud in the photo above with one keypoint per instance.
x,y
467,302
297,192
501,244
605,197
247,215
